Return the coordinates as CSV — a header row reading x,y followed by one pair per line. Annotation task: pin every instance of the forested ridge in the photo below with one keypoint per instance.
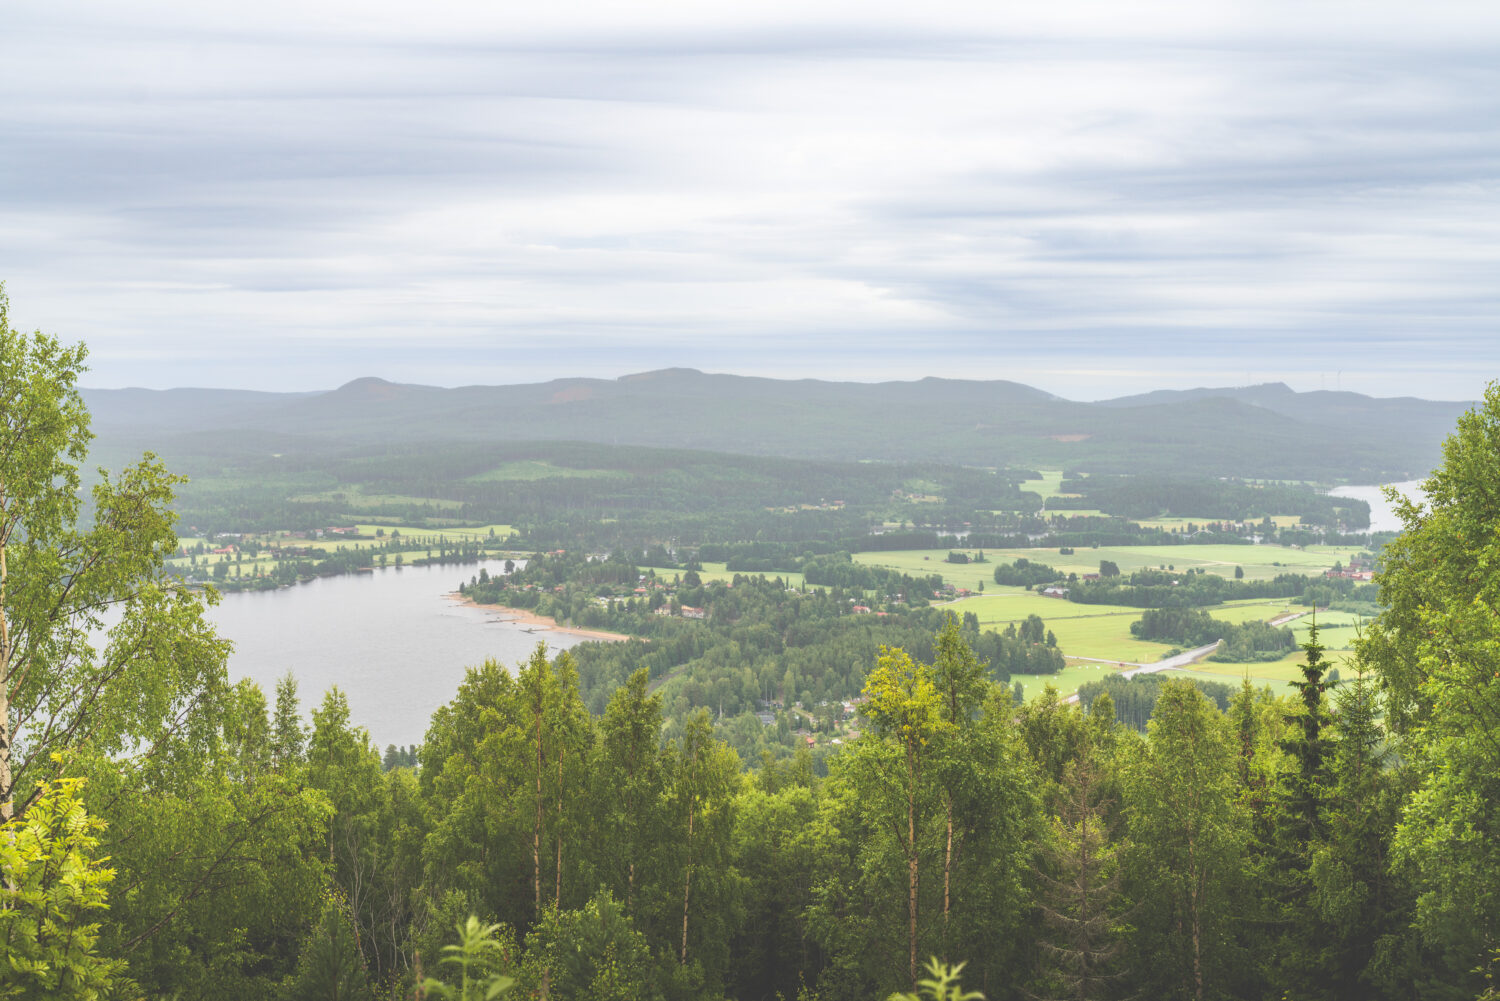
x,y
573,834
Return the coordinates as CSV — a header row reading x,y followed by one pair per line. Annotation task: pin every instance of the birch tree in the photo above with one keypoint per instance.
x,y
62,582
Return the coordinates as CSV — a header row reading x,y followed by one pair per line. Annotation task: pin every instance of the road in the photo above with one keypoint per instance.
x,y
1181,660
1171,663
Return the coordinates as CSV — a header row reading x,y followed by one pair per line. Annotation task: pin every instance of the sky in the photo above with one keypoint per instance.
x,y
1095,198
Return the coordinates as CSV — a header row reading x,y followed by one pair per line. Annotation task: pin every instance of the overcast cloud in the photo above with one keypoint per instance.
x,y
1094,198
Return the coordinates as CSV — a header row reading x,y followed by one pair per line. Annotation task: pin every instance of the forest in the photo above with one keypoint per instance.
x,y
566,831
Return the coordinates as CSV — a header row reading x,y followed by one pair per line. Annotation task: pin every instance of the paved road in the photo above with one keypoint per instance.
x,y
1181,660
1170,664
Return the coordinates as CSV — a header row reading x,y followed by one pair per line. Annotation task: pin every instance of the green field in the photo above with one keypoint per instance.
x,y
1103,632
1050,485
1099,631
717,571
1065,681
1259,562
1276,675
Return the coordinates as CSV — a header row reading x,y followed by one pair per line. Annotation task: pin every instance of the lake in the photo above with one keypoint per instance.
x,y
392,640
1382,516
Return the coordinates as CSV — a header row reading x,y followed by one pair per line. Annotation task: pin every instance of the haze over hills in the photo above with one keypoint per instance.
x,y
1256,431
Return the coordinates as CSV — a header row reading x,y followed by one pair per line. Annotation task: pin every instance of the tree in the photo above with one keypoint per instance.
x,y
329,965
704,776
55,883
288,735
628,773
1181,800
1436,652
58,580
905,711
591,954
1080,877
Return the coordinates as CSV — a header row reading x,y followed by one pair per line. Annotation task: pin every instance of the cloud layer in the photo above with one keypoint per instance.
x,y
1093,198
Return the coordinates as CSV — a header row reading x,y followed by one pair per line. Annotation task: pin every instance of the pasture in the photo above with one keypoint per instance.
x,y
1258,562
1097,631
719,572
1050,485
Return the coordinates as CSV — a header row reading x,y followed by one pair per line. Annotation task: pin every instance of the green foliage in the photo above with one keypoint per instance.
x,y
329,964
941,985
58,578
1436,651
1024,573
475,954
1190,830
591,954
1193,627
54,883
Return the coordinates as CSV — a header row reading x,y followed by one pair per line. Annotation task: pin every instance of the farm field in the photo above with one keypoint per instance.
x,y
718,572
1099,631
1050,485
1276,674
1259,676
1259,562
1065,681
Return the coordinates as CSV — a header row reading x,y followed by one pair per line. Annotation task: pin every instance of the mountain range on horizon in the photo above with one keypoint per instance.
x,y
1260,431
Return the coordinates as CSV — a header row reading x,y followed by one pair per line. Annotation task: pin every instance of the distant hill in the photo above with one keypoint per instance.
x,y
1265,431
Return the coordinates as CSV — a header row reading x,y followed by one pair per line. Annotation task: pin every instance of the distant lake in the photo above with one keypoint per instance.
x,y
1382,515
392,640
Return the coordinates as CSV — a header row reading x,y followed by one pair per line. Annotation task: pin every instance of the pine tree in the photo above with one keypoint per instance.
x,y
1080,887
288,735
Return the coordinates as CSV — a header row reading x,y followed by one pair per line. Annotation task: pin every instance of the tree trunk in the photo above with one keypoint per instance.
x,y
911,865
7,808
536,831
687,886
557,899
1197,925
948,866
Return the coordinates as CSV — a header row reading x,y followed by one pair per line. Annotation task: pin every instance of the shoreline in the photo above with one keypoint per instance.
x,y
505,613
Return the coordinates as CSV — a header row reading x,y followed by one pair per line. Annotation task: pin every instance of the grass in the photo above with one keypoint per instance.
x,y
1050,485
718,572
1258,562
1276,674
1098,631
1066,681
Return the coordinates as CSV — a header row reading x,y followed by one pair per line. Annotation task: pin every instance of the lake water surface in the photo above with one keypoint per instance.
x,y
1382,515
392,640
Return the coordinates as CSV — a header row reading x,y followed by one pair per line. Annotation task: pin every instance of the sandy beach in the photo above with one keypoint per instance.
x,y
538,623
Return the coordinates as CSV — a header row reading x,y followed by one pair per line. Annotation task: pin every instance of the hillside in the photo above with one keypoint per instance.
x,y
1263,431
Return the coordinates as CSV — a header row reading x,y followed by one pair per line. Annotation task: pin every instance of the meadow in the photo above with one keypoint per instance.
x,y
1258,562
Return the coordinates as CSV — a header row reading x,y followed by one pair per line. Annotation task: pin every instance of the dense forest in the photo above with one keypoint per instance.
x,y
565,831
